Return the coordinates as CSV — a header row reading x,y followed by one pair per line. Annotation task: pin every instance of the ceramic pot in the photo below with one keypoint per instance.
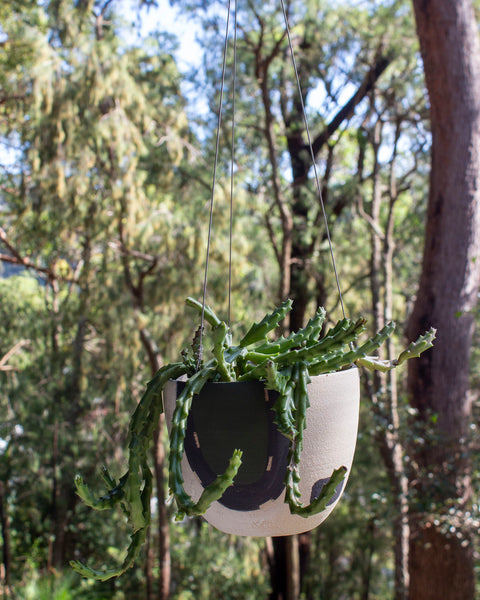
x,y
226,416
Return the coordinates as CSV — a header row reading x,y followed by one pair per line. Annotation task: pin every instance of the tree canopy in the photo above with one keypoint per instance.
x,y
106,167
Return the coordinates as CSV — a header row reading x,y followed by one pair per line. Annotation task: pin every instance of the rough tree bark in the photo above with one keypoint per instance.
x,y
5,537
441,563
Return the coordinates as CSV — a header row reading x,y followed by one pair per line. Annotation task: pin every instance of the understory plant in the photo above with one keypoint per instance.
x,y
284,364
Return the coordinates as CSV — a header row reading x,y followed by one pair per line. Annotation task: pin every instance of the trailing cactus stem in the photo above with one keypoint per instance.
x,y
208,313
300,380
373,363
177,433
214,491
284,406
143,421
414,349
340,361
424,342
320,503
109,500
134,488
138,539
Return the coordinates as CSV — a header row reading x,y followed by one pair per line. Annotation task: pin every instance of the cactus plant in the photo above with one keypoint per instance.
x,y
284,365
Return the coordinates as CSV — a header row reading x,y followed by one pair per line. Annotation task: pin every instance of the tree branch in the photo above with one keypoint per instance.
x,y
16,258
5,358
347,110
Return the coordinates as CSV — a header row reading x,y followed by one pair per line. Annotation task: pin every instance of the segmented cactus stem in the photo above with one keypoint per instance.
x,y
309,333
320,503
214,491
259,331
134,488
208,313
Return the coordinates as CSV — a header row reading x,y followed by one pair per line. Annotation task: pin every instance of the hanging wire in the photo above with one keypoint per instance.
x,y
217,143
229,321
214,177
312,154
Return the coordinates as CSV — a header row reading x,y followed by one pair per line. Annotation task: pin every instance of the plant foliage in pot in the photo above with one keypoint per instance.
x,y
291,392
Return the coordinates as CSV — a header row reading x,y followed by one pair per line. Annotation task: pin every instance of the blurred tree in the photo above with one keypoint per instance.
x,y
391,178
333,65
442,554
98,128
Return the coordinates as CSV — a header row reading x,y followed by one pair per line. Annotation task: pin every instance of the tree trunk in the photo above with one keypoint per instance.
x,y
441,562
396,443
285,568
66,414
163,520
5,533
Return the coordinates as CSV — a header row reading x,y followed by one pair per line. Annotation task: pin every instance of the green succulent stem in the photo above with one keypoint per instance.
x,y
320,503
208,313
134,488
214,491
221,337
310,332
259,331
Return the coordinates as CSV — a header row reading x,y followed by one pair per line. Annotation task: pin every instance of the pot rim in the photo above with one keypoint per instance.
x,y
250,381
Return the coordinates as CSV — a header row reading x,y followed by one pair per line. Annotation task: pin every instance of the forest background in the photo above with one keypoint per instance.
x,y
105,177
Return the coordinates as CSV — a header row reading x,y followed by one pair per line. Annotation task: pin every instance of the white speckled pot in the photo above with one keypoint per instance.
x,y
254,505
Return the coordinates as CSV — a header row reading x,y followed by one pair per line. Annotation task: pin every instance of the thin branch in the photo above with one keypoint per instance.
x,y
119,245
6,357
273,237
347,110
104,8
12,249
28,264
368,219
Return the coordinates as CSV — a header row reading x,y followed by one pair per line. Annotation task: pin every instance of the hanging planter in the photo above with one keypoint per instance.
x,y
286,410
226,416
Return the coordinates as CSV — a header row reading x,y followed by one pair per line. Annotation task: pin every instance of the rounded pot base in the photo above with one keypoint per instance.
x,y
251,508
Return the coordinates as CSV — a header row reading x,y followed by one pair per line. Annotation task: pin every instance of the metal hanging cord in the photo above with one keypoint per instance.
x,y
312,154
214,178
232,168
